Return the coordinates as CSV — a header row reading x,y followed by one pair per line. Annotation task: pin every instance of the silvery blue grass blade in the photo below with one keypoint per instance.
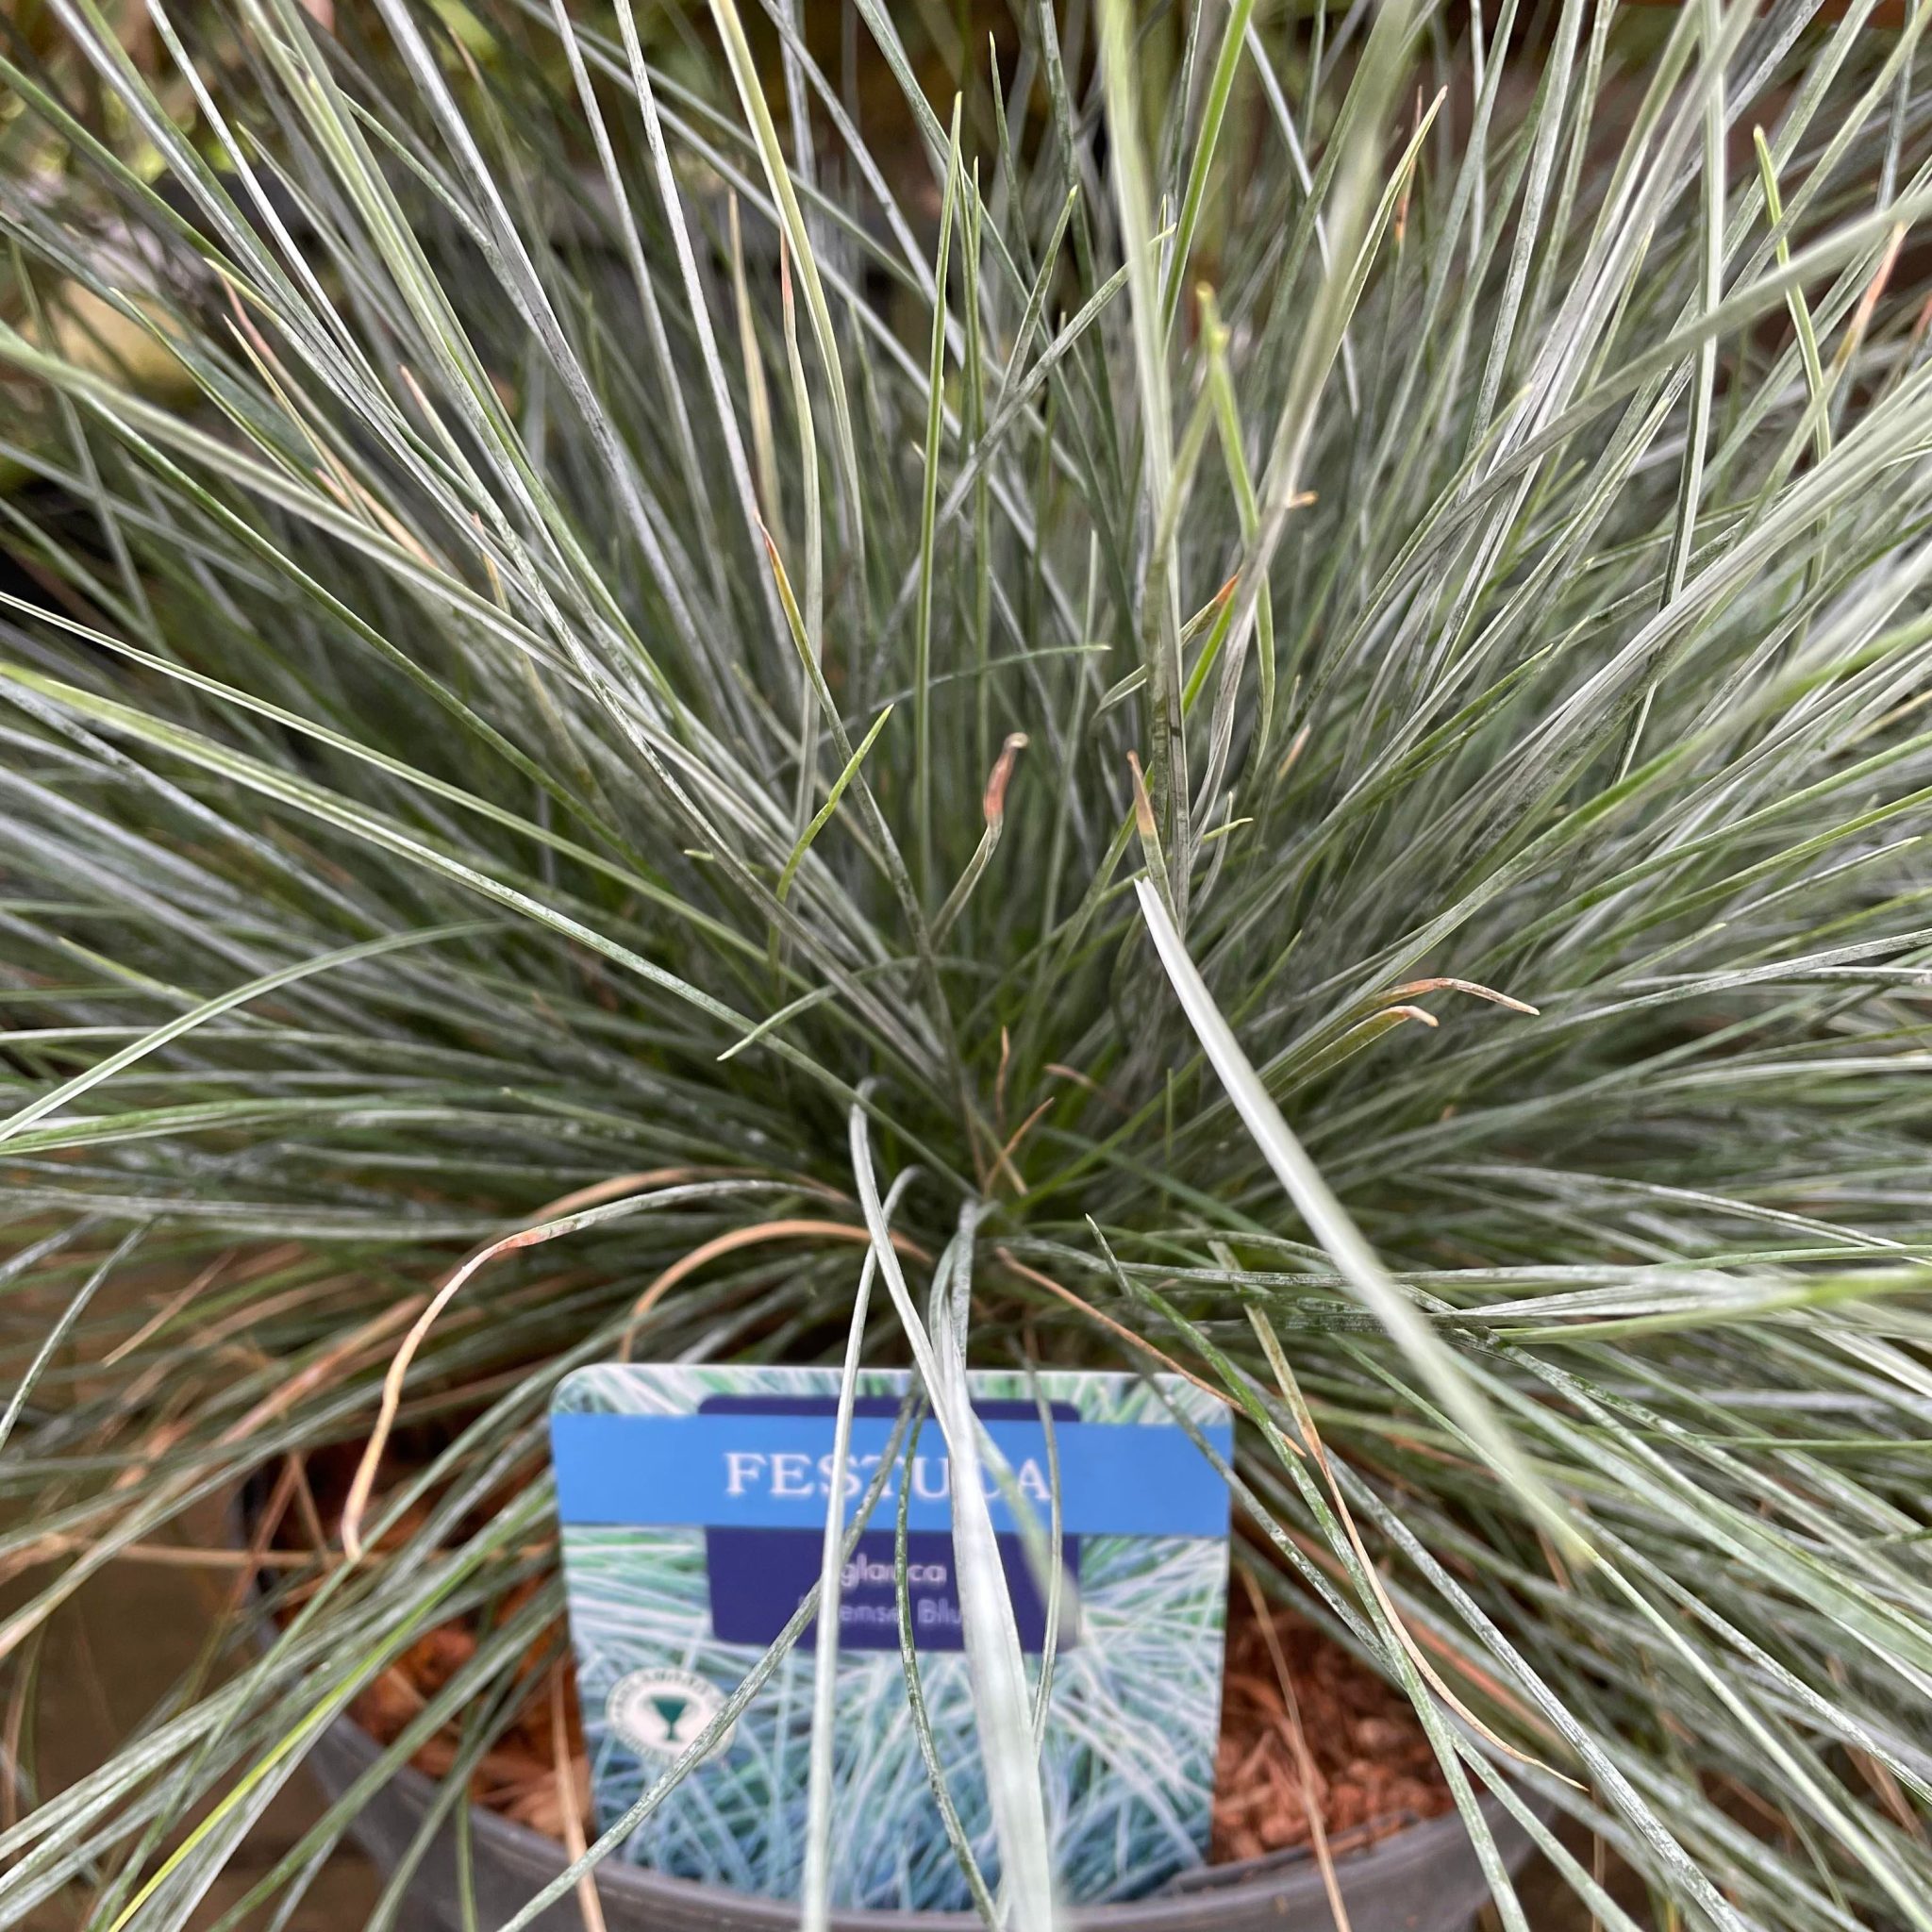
x,y
1330,1223
993,1639
815,1890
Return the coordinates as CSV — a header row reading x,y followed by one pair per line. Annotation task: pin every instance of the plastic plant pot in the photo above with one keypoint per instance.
x,y
1421,1877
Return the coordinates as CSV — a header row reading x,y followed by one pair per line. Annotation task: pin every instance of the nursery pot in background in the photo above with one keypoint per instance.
x,y
1421,1877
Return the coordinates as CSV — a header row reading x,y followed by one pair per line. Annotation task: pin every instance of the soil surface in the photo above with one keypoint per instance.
x,y
1335,1726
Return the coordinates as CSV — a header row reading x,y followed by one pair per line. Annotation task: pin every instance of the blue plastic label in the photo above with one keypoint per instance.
x,y
694,1503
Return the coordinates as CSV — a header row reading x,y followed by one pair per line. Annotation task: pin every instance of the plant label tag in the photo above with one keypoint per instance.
x,y
694,1504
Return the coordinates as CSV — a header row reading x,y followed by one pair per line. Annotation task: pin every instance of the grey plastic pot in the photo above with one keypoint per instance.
x,y
1421,1879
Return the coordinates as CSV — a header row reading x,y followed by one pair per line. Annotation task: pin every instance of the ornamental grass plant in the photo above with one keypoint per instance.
x,y
1246,682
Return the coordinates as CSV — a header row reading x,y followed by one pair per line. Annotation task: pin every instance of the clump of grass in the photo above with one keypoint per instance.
x,y
531,549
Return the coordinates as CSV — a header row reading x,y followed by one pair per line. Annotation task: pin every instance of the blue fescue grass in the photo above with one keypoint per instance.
x,y
448,767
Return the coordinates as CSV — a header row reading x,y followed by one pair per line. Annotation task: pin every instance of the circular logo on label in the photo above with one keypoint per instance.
x,y
661,1713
